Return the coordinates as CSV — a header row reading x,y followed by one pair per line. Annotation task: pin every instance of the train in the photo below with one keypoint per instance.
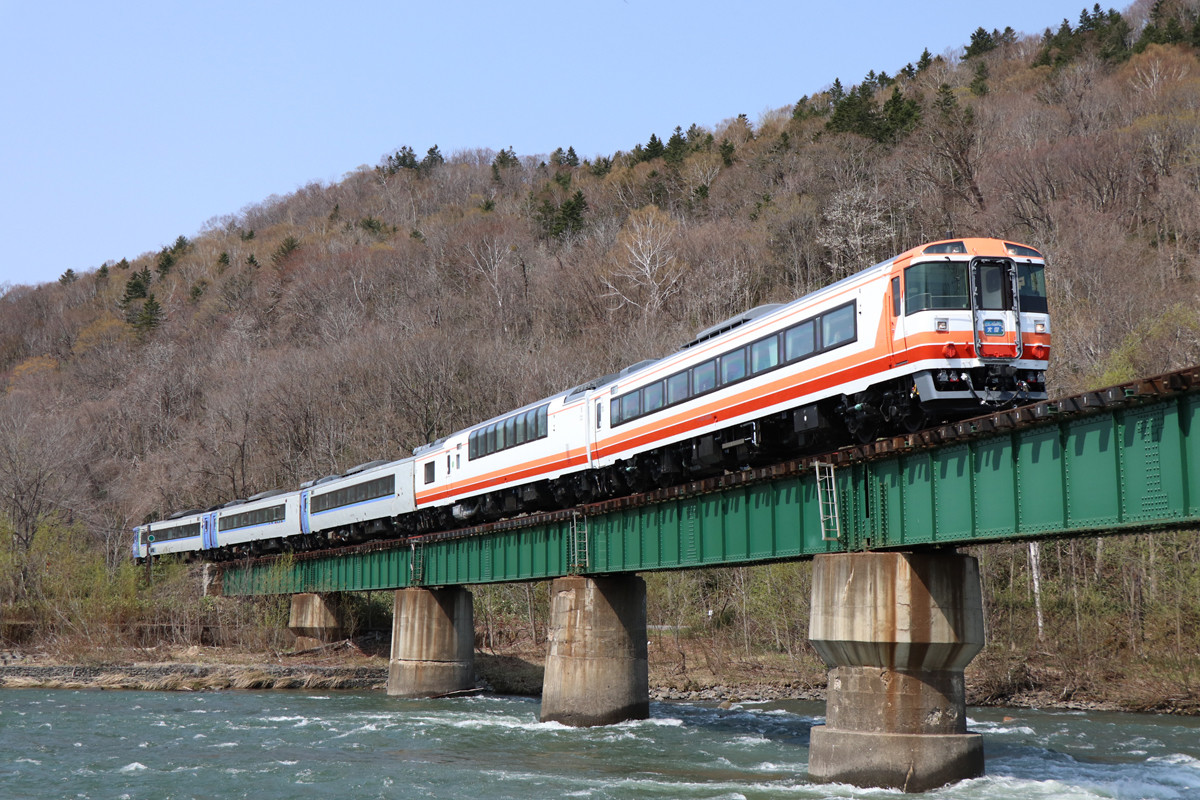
x,y
943,331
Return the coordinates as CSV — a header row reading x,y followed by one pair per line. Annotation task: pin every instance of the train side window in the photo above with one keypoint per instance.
x,y
799,340
519,424
429,472
764,355
704,377
614,412
733,366
895,297
652,397
837,327
631,405
531,425
677,388
510,432
491,438
447,463
544,421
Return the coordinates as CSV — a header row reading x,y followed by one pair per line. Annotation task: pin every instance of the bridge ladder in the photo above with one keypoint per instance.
x,y
827,502
416,565
578,544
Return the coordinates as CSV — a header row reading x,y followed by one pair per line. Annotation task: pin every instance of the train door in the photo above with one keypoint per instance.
x,y
208,530
898,341
305,525
994,306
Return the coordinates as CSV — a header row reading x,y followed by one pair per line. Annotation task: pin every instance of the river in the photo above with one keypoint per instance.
x,y
94,745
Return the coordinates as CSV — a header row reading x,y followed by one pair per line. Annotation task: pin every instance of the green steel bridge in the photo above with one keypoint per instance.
x,y
1119,460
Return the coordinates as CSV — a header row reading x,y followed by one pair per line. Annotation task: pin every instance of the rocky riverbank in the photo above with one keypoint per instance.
x,y
344,666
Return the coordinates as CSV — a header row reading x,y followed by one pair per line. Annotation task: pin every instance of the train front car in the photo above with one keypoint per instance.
x,y
970,323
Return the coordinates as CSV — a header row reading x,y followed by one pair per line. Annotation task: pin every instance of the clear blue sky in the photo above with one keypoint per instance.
x,y
126,124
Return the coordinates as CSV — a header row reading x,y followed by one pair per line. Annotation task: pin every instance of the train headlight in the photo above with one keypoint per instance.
x,y
949,351
943,325
1039,327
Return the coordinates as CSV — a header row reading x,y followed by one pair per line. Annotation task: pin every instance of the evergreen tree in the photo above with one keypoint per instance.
x,y
102,273
601,166
726,150
505,159
404,158
979,86
570,214
571,159
677,148
982,42
288,246
68,277
432,160
166,260
149,317
136,287
925,61
654,148
900,116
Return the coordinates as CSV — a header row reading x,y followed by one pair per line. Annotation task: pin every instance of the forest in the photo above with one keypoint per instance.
x,y
356,320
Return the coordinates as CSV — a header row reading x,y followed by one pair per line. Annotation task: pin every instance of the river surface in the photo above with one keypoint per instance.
x,y
276,745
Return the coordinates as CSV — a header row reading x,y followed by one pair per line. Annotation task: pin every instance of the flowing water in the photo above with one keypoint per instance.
x,y
269,745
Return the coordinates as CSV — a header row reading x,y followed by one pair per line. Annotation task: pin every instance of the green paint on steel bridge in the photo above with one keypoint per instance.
x,y
1116,470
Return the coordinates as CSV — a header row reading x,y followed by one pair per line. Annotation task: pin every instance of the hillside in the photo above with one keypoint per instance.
x,y
356,320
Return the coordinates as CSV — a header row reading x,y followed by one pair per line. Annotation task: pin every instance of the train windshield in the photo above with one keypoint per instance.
x,y
1031,282
936,285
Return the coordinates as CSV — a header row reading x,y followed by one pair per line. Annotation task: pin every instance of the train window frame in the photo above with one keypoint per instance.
x,y
913,299
1031,283
430,472
827,319
647,393
682,377
697,371
631,404
732,357
814,348
896,296
775,361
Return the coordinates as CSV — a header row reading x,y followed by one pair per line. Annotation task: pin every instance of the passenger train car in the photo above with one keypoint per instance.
x,y
942,331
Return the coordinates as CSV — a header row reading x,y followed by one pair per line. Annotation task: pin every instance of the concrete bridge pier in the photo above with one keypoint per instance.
x,y
316,619
896,629
596,668
433,642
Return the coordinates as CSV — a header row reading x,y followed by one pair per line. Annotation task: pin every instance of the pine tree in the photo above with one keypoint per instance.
x,y
571,159
149,317
726,150
432,160
654,148
925,61
677,148
979,85
68,277
982,42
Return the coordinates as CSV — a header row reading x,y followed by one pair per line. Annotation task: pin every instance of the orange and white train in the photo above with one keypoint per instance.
x,y
942,331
